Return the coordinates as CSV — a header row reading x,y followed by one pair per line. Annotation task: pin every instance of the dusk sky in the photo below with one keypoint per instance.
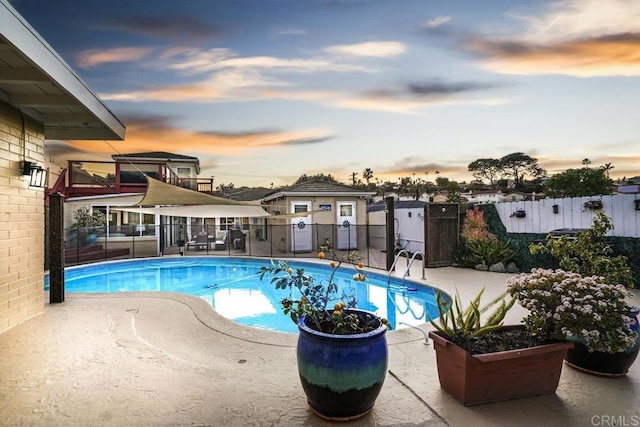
x,y
265,91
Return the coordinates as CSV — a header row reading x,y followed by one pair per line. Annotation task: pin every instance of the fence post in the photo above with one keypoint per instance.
x,y
56,248
391,232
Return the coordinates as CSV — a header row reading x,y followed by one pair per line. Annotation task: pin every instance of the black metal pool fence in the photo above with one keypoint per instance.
x,y
86,245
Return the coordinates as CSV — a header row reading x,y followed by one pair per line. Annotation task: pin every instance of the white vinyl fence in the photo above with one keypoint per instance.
x,y
540,216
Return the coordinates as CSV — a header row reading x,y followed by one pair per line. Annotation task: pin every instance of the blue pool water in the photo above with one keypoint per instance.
x,y
233,288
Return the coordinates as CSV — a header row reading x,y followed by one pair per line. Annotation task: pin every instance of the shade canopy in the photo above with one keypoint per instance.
x,y
159,193
200,211
170,200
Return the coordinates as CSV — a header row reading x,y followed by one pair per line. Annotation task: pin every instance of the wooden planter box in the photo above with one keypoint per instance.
x,y
494,377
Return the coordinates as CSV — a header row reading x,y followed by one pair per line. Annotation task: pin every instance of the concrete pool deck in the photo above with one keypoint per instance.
x,y
168,359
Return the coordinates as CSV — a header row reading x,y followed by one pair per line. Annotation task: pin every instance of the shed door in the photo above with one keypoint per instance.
x,y
346,220
301,228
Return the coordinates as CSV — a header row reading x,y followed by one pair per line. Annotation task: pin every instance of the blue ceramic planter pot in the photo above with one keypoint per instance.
x,y
342,374
605,364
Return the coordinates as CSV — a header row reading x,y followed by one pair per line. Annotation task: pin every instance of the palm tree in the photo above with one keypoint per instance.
x,y
586,162
606,168
367,174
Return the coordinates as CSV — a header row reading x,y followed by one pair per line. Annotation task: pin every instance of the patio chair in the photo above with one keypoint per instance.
x,y
191,243
220,242
202,241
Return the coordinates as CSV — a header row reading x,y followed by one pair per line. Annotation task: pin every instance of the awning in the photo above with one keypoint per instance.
x,y
170,200
200,211
159,193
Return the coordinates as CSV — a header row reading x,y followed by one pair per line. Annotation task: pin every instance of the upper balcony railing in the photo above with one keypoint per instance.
x,y
88,178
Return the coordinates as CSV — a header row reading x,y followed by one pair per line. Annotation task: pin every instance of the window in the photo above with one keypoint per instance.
x,y
346,210
227,223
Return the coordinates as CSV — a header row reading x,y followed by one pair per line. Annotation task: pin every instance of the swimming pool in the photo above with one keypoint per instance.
x,y
233,288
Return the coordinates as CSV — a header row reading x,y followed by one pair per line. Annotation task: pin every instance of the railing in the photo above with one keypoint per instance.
x,y
263,240
409,263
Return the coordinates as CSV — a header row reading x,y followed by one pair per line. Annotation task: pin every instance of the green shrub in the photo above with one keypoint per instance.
x,y
588,254
478,245
486,252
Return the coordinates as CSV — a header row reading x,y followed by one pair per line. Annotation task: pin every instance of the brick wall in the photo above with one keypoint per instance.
x,y
21,221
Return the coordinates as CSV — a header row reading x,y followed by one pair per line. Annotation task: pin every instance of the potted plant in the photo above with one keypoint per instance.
x,y
480,362
342,351
88,223
586,310
593,204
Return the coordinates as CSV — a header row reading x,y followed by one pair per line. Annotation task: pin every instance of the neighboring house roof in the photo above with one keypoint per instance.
x,y
317,188
400,204
154,155
628,189
249,194
39,83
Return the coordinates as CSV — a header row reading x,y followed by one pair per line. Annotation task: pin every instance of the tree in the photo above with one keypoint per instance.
x,y
485,169
225,188
317,177
586,161
404,184
453,190
519,165
417,187
367,174
578,182
442,182
607,168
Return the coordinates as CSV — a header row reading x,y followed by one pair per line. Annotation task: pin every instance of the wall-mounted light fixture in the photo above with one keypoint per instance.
x,y
555,209
636,202
409,214
37,175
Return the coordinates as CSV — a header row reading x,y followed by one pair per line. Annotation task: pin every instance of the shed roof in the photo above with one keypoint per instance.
x,y
318,188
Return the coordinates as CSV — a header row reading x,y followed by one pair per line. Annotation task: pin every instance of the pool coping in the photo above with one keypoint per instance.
x,y
210,318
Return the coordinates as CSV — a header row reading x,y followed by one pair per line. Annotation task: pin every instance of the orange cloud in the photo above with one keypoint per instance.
x,y
586,57
145,136
94,57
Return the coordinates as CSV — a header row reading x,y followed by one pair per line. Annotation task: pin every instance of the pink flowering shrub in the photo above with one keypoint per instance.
x,y
565,305
479,245
475,226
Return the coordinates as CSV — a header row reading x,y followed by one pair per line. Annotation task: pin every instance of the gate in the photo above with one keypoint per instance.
x,y
441,230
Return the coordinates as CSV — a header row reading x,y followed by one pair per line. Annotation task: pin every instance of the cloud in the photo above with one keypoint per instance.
x,y
582,38
369,49
158,133
283,32
173,27
94,57
413,96
202,61
587,57
437,21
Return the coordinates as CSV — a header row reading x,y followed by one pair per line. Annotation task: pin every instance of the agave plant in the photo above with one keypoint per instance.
x,y
458,325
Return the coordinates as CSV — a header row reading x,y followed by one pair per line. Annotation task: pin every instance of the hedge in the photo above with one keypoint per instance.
x,y
627,246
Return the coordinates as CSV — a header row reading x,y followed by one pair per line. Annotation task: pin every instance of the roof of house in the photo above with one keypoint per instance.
x,y
248,194
155,155
40,84
398,204
318,188
628,189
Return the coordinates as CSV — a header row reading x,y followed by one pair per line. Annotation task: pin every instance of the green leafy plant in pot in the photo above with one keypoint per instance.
x,y
480,360
341,351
